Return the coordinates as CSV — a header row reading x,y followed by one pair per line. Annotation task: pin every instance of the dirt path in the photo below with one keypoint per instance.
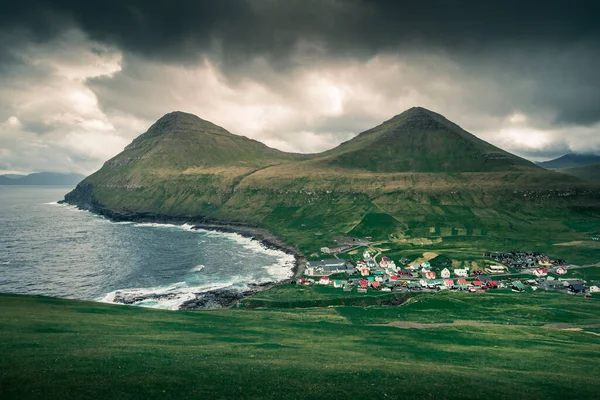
x,y
417,325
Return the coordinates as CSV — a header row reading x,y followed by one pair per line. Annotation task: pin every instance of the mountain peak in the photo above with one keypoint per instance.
x,y
420,140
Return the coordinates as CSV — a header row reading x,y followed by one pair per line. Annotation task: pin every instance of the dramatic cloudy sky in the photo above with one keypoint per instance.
x,y
80,79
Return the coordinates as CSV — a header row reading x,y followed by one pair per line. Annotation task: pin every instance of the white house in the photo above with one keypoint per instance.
x,y
426,264
561,270
423,283
594,289
445,274
324,280
367,255
463,272
496,269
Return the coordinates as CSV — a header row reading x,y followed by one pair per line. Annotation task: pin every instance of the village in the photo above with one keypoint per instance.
x,y
534,271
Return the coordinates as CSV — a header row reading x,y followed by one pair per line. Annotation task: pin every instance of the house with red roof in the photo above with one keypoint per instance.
x,y
477,283
363,283
324,280
539,272
561,270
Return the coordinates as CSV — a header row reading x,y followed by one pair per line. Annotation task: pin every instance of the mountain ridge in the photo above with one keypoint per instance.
x,y
570,160
417,168
42,178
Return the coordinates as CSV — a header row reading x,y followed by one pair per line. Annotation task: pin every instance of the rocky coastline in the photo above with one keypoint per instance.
x,y
218,298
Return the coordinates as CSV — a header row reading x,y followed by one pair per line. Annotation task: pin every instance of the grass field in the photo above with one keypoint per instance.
x,y
51,348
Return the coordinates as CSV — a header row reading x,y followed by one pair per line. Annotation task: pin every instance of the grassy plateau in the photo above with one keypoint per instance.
x,y
52,348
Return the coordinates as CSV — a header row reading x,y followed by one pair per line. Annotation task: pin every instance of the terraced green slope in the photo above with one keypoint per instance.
x,y
424,172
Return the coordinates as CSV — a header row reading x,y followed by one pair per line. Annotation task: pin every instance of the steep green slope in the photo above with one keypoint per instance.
x,y
181,164
419,140
588,172
418,171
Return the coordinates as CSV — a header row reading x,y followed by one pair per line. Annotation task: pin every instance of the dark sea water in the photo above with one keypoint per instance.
x,y
57,250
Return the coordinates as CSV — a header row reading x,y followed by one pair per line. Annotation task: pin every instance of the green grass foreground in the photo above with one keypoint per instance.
x,y
52,348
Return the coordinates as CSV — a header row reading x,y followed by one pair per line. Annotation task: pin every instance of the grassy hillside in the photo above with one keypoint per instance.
x,y
65,349
589,173
420,140
416,175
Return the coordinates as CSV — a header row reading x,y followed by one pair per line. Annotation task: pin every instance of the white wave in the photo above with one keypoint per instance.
x,y
171,297
197,268
283,269
4,262
185,227
52,203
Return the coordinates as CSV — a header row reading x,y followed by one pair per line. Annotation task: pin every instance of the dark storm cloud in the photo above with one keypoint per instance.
x,y
183,29
555,45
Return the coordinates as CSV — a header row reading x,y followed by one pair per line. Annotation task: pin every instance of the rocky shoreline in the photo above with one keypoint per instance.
x,y
218,298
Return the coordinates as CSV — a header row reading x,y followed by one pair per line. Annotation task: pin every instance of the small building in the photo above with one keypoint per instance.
x,y
576,286
338,284
496,269
594,289
366,255
363,283
365,271
324,280
462,281
393,279
328,267
449,283
561,270
539,272
549,284
430,275
445,274
414,285
517,286
375,285
463,272
426,265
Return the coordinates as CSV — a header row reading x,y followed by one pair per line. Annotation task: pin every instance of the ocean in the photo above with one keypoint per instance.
x,y
57,250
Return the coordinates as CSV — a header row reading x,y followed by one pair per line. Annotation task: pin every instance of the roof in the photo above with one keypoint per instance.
x,y
518,285
324,278
326,263
393,278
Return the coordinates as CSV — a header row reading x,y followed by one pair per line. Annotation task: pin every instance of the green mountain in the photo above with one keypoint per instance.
x,y
570,161
420,140
417,175
42,178
589,173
